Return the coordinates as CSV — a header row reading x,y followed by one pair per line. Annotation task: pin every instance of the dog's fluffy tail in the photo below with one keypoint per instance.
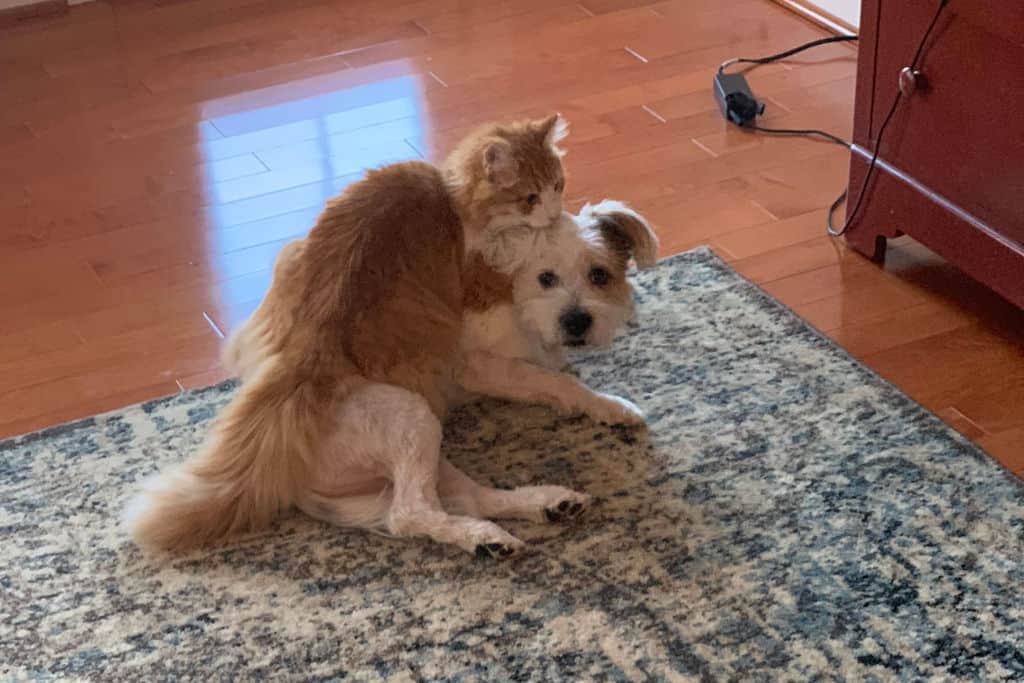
x,y
254,463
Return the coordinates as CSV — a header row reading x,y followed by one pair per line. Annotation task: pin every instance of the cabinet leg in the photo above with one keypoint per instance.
x,y
868,243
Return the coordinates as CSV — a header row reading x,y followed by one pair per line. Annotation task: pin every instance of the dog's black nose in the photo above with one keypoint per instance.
x,y
576,322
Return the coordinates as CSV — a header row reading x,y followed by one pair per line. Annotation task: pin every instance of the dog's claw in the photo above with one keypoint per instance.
x,y
494,550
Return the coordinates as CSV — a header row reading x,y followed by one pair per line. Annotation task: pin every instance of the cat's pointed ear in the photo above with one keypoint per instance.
x,y
554,129
499,164
626,231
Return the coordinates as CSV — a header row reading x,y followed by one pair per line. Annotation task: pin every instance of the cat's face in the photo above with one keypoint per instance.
x,y
570,286
519,179
536,202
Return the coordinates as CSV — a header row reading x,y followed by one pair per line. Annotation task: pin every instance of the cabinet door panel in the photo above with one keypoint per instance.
x,y
963,136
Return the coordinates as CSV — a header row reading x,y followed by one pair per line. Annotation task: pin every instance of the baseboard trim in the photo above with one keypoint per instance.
x,y
12,16
813,13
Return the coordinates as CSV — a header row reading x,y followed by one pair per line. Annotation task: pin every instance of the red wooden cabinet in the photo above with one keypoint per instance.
x,y
950,171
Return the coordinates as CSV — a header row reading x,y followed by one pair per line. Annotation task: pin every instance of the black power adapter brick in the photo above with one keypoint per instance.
x,y
735,99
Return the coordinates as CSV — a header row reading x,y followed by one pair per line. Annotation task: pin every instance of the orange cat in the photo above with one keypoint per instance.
x,y
360,329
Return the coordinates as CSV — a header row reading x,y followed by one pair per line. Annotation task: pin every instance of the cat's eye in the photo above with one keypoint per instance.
x,y
599,276
560,185
547,279
532,199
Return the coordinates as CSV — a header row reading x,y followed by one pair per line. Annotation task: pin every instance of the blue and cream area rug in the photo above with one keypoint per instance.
x,y
787,516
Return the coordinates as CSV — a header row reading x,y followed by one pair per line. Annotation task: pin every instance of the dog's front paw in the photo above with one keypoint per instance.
x,y
615,410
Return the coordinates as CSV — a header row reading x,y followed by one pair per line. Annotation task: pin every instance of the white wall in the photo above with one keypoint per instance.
x,y
7,4
847,10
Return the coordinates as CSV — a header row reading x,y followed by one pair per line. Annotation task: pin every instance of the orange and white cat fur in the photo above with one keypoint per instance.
x,y
352,359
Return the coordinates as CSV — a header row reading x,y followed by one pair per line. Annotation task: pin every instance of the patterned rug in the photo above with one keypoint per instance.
x,y
787,516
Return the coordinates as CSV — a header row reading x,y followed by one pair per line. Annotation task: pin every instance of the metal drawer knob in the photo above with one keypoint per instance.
x,y
911,81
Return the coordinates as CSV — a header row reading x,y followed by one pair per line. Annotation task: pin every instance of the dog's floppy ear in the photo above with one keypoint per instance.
x,y
626,231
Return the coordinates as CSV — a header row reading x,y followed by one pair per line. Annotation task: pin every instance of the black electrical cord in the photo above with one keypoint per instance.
x,y
878,142
800,131
751,105
787,53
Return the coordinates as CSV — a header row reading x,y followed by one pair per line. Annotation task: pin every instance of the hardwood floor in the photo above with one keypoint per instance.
x,y
155,155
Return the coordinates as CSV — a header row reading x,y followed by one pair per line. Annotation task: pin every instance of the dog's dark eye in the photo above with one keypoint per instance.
x,y
532,199
599,276
547,279
560,185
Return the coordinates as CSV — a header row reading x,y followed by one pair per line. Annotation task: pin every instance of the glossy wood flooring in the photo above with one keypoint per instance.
x,y
155,155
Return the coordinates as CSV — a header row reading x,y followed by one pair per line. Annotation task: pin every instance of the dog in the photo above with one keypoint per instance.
x,y
353,353
530,295
365,340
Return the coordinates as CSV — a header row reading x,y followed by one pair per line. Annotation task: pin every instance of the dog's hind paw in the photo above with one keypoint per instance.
x,y
491,541
569,509
498,551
